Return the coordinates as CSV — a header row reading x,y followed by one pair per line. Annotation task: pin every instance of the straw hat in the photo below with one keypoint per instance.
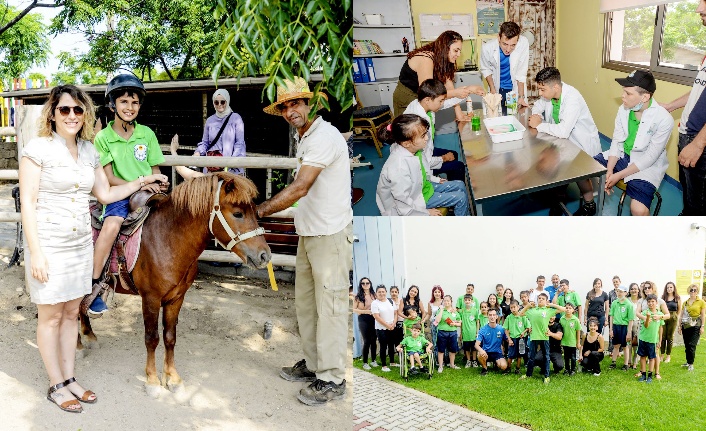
x,y
299,89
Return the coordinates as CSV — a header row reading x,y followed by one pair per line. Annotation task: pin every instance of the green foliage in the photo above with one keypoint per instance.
x,y
615,400
23,45
74,70
37,75
177,36
287,38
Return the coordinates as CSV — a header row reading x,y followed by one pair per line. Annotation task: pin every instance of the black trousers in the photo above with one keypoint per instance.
x,y
366,324
691,339
592,362
570,358
387,345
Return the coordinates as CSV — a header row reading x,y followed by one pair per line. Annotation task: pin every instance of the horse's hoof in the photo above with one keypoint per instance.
x,y
175,387
91,344
81,353
153,391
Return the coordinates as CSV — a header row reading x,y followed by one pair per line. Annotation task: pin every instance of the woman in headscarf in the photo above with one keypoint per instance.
x,y
231,142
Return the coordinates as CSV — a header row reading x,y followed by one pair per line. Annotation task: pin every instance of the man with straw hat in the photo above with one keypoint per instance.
x,y
323,219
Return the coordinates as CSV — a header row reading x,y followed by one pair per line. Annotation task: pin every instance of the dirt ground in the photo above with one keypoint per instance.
x,y
231,374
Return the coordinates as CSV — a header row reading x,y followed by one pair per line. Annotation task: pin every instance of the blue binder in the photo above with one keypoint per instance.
x,y
370,68
364,77
357,78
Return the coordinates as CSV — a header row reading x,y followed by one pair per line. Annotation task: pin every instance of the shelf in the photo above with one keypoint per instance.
x,y
392,54
382,26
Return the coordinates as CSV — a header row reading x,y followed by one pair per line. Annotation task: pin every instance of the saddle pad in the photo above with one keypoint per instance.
x,y
132,250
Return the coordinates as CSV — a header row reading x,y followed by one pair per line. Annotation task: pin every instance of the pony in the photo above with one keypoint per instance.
x,y
176,232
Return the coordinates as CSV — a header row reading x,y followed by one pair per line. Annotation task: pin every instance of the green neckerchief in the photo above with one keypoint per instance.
x,y
633,127
431,125
427,187
555,112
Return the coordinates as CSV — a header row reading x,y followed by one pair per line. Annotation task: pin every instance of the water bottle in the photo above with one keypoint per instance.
x,y
521,346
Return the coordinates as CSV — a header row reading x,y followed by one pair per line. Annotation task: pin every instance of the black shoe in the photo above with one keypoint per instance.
x,y
413,371
298,373
612,365
321,392
484,372
587,209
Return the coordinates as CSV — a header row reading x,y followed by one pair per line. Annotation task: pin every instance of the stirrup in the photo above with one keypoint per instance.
x,y
87,300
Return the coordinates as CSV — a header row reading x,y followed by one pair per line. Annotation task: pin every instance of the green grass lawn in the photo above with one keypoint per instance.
x,y
615,400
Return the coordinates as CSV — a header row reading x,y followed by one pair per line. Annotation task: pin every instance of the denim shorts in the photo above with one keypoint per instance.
x,y
119,208
447,341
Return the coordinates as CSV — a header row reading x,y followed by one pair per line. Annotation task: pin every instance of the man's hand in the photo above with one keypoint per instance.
x,y
482,354
510,342
690,155
534,120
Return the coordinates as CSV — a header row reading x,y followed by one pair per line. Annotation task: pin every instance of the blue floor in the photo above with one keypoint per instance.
x,y
525,205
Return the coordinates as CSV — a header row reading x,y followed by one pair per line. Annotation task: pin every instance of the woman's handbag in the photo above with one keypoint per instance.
x,y
216,153
689,322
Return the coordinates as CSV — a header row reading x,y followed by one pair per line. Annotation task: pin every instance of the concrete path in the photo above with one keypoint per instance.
x,y
382,405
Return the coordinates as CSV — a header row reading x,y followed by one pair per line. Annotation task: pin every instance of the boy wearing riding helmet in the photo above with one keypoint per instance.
x,y
128,151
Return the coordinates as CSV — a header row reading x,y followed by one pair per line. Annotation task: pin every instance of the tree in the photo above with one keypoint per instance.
x,y
22,44
178,36
8,19
73,70
287,38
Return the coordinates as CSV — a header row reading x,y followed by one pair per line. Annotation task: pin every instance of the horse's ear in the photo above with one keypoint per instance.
x,y
229,186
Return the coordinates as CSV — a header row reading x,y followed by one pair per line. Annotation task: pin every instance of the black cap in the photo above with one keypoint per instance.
x,y
639,78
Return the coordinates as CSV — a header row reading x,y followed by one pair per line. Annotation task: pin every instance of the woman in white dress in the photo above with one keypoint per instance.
x,y
58,171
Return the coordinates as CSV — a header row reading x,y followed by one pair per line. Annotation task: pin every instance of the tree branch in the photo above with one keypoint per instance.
x,y
184,64
166,69
21,15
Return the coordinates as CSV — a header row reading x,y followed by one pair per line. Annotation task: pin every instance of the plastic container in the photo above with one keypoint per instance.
x,y
374,18
504,129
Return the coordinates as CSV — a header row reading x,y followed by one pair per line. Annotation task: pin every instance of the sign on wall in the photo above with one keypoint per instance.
x,y
490,15
687,277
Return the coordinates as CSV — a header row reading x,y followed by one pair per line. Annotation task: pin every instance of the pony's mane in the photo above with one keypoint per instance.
x,y
196,195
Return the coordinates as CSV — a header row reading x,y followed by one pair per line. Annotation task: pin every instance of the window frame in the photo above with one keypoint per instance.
x,y
661,72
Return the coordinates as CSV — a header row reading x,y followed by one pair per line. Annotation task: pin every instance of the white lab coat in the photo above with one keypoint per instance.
x,y
399,189
649,152
575,121
431,162
519,59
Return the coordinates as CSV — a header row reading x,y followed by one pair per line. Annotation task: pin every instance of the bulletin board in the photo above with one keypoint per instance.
x,y
687,277
432,25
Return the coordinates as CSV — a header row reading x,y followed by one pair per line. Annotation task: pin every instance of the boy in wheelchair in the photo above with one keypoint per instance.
x,y
413,346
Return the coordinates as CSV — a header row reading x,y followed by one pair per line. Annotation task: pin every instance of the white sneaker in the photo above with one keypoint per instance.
x,y
690,368
395,365
468,364
385,369
366,366
440,370
374,364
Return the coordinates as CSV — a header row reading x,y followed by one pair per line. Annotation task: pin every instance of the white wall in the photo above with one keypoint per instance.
x,y
453,251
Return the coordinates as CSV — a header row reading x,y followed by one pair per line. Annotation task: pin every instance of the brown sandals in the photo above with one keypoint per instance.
x,y
66,405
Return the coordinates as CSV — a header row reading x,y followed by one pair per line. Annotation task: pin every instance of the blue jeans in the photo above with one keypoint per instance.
x,y
450,194
532,351
693,182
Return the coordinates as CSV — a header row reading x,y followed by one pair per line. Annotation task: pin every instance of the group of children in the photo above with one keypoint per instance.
x,y
536,331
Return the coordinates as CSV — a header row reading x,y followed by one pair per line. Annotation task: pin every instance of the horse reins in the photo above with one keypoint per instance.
x,y
234,238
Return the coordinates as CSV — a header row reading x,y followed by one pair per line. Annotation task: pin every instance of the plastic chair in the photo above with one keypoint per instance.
x,y
622,186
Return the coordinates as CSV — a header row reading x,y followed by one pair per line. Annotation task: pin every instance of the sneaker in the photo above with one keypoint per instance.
x,y
484,372
320,392
469,364
668,359
625,367
385,369
454,367
546,380
649,380
587,209
684,365
298,373
658,377
374,364
612,366
475,364
642,378
517,371
413,370
366,367
597,374
97,308
572,373
690,368
440,370
523,377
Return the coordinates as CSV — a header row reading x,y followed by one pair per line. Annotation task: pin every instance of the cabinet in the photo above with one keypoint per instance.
x,y
397,23
376,93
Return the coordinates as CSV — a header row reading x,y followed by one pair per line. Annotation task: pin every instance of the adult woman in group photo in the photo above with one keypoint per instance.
x,y
58,172
434,60
366,322
673,301
597,304
412,300
691,326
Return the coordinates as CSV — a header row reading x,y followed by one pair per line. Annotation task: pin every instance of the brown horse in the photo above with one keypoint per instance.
x,y
174,235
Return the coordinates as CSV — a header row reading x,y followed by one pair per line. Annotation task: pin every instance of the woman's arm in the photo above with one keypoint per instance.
x,y
601,343
663,308
30,173
606,311
105,193
586,316
422,310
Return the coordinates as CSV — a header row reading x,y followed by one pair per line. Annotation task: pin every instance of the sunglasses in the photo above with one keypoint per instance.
x,y
66,110
692,290
219,102
365,282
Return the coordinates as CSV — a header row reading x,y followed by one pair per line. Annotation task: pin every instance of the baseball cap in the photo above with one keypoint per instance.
x,y
623,288
639,78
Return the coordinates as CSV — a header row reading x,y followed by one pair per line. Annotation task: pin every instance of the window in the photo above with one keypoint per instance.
x,y
669,40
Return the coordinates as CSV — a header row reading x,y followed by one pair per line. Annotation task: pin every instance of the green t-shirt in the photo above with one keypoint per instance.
x,y
414,344
431,124
482,319
407,323
651,333
556,106
446,314
130,158
569,326
469,320
516,324
539,319
633,127
460,305
622,312
427,187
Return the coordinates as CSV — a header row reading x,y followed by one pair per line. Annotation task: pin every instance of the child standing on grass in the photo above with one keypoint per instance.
x,y
592,348
448,320
634,296
649,337
572,334
469,329
415,345
621,317
516,328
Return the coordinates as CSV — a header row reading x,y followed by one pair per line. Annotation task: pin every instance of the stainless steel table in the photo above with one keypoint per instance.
x,y
537,162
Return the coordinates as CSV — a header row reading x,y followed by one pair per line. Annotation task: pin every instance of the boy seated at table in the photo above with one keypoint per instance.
x,y
431,98
563,112
638,152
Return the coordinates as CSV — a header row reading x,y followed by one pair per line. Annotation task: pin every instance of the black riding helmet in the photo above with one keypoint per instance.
x,y
119,85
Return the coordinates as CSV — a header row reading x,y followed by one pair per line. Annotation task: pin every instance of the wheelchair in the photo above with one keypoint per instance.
x,y
427,360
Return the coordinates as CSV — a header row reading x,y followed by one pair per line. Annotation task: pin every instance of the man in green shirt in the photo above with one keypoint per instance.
x,y
621,317
565,295
648,337
539,317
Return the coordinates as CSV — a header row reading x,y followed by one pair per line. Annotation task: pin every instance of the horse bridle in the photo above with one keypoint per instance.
x,y
234,238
